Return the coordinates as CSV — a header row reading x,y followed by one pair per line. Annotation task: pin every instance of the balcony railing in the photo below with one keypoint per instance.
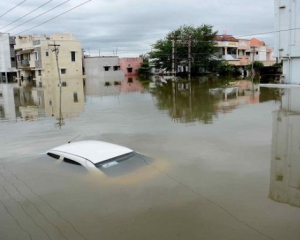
x,y
25,63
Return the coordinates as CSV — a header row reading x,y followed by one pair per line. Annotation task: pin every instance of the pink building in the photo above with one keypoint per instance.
x,y
130,65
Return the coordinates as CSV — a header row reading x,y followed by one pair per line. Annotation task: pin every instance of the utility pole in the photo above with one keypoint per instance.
x,y
189,57
253,51
173,58
56,50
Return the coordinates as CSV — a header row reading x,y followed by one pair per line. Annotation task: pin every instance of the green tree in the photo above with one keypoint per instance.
x,y
203,47
257,65
145,68
278,64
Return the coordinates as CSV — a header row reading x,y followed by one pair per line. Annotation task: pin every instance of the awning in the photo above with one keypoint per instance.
x,y
24,51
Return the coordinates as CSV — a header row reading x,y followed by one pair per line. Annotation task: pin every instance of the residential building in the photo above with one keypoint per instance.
x,y
36,60
130,65
242,52
227,48
7,58
287,38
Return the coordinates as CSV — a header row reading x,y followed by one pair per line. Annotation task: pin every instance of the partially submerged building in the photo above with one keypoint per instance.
x,y
8,71
103,67
36,60
287,39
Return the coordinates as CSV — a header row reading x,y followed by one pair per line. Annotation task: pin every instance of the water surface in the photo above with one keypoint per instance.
x,y
222,161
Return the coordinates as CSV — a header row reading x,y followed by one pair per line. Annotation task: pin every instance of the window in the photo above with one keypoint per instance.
x,y
47,54
64,84
73,56
19,57
12,59
36,56
50,103
75,96
106,68
40,72
129,70
130,80
40,84
71,161
63,71
53,155
116,68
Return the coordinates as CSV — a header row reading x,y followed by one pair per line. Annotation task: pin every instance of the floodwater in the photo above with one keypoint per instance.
x,y
220,162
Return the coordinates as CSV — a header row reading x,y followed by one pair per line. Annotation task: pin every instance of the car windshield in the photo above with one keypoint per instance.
x,y
122,164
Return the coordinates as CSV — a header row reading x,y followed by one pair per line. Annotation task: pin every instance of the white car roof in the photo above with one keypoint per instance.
x,y
94,151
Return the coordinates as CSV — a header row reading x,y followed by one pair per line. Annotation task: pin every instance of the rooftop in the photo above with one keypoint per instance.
x,y
223,38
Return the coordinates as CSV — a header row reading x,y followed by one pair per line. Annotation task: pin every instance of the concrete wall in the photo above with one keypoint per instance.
x,y
287,43
130,63
103,67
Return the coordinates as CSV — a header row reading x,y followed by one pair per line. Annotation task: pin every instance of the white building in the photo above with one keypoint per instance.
x,y
103,75
287,38
7,58
103,67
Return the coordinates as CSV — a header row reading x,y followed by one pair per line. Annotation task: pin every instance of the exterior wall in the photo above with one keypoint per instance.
x,y
7,63
103,67
287,43
261,54
133,63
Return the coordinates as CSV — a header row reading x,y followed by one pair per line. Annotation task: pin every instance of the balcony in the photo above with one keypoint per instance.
x,y
25,63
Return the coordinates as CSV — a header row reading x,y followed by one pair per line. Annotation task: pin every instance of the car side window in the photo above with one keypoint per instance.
x,y
71,161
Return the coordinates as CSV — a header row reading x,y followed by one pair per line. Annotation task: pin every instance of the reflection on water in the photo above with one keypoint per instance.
x,y
32,103
285,163
188,101
112,85
183,101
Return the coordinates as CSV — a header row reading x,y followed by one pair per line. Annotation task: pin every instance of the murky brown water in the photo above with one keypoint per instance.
x,y
223,162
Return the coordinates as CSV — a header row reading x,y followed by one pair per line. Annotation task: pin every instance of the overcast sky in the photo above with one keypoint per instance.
x,y
131,26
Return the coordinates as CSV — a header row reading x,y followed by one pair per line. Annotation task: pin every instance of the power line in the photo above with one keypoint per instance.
x,y
55,16
12,8
263,33
38,16
26,14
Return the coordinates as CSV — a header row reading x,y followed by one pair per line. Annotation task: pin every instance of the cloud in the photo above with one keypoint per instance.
x,y
131,26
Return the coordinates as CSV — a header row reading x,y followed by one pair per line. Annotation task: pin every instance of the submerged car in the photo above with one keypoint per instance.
x,y
110,158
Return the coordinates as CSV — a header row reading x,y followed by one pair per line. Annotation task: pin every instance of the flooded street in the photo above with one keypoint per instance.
x,y
223,162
